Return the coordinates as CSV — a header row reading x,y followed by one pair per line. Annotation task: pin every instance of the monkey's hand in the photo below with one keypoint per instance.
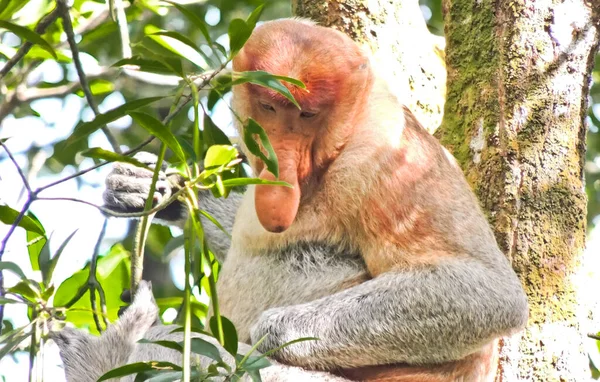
x,y
127,189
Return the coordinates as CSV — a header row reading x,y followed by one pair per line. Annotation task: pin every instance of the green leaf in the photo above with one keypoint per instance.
x,y
161,376
49,270
212,134
205,348
13,267
229,332
97,87
4,301
270,81
256,363
146,65
215,222
27,290
239,32
37,246
40,54
193,18
98,153
219,156
177,346
8,216
8,8
254,16
181,45
138,367
87,128
160,131
29,35
251,129
247,181
10,345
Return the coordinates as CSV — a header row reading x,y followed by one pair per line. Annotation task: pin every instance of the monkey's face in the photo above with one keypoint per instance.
x,y
306,140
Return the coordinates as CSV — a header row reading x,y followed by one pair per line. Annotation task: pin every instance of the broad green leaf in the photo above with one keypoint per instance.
x,y
247,181
162,376
146,65
113,274
212,134
8,216
26,289
138,367
49,270
205,348
158,50
37,247
193,18
97,87
254,16
229,332
29,35
239,32
160,131
270,81
98,153
40,54
251,129
87,128
13,267
219,156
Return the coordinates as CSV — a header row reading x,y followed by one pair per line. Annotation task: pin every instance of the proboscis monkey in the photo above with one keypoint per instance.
x,y
380,250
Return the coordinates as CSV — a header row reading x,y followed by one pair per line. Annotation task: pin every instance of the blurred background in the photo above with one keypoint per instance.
x,y
36,127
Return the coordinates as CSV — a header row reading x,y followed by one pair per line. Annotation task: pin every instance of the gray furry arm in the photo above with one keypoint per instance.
x,y
416,317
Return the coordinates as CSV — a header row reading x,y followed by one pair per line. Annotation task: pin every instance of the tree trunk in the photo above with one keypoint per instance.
x,y
518,79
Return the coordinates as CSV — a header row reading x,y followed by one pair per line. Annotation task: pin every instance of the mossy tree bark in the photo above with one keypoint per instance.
x,y
518,79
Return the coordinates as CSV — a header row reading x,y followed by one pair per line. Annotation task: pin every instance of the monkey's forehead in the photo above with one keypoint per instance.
x,y
322,58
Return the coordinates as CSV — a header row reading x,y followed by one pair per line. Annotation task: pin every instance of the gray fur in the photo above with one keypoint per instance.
x,y
418,316
86,357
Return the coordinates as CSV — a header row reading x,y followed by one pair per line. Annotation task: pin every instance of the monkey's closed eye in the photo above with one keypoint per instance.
x,y
266,106
307,114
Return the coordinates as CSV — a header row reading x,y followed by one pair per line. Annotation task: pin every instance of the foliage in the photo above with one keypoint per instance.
x,y
90,298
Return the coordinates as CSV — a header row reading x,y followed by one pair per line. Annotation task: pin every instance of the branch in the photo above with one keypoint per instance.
x,y
85,86
23,95
44,23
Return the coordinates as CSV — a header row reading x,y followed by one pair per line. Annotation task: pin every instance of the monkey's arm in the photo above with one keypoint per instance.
x,y
127,188
421,316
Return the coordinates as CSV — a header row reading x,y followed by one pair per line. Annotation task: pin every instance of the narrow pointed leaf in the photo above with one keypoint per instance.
x,y
160,131
138,367
193,18
47,274
146,65
110,156
9,215
29,35
254,16
270,81
13,267
251,129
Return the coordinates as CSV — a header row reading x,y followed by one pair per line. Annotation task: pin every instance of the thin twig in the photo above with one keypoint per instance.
x,y
594,336
44,23
12,158
85,86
